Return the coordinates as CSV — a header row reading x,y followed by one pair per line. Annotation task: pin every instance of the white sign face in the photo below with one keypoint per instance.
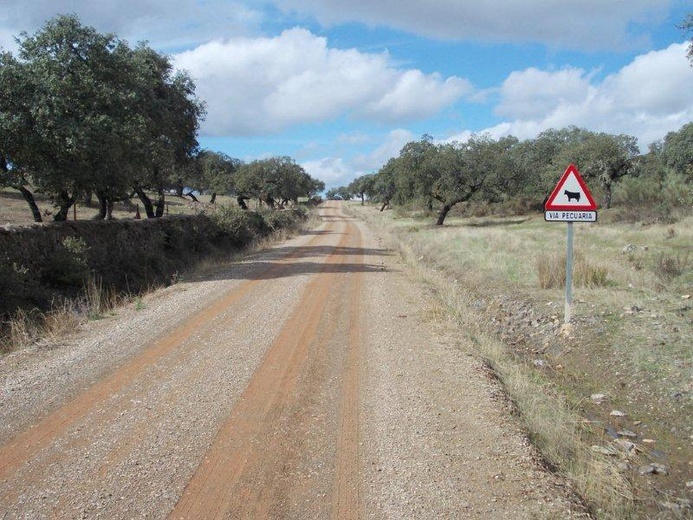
x,y
570,216
571,194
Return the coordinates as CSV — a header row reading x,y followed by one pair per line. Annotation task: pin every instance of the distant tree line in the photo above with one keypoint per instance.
x,y
275,181
439,176
84,115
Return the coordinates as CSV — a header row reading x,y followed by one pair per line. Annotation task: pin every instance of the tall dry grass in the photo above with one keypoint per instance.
x,y
551,272
26,328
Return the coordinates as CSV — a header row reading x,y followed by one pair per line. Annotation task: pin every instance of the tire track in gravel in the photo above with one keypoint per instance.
x,y
22,447
250,470
346,500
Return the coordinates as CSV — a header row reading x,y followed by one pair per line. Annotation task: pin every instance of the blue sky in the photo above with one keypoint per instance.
x,y
342,86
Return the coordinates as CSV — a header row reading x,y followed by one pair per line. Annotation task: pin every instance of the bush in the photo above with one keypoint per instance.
x,y
285,219
651,200
668,267
550,271
238,227
67,269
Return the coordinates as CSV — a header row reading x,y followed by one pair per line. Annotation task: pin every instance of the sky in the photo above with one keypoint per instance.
x,y
341,86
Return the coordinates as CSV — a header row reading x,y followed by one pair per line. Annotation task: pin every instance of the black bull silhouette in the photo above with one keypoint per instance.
x,y
572,195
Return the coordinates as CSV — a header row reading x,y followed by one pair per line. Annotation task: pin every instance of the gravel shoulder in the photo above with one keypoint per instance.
x,y
306,381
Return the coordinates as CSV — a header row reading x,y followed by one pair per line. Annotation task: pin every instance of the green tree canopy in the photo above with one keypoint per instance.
x,y
276,180
363,186
73,104
83,113
217,171
677,151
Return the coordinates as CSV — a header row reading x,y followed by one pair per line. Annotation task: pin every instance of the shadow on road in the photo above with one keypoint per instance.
x,y
282,262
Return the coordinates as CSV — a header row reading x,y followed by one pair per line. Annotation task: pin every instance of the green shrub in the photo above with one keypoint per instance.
x,y
239,227
287,219
68,267
651,200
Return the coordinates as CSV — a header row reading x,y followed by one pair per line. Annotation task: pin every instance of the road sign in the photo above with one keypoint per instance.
x,y
570,200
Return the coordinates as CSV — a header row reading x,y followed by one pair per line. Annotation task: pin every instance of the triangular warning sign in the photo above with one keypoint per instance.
x,y
571,193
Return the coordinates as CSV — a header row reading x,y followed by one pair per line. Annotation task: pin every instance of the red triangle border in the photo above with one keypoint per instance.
x,y
550,206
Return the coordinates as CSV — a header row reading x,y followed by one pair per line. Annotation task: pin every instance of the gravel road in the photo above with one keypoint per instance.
x,y
305,381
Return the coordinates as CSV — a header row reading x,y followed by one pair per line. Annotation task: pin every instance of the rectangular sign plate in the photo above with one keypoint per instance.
x,y
570,216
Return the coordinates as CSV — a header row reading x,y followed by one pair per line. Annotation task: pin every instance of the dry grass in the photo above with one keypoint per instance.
x,y
551,272
99,300
27,328
498,282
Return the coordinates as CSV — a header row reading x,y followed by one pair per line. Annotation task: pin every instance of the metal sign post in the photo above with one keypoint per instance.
x,y
570,201
569,275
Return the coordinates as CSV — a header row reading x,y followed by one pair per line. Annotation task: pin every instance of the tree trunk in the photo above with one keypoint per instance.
x,y
267,199
192,196
363,199
608,196
241,201
146,202
29,198
103,206
444,210
214,198
64,202
386,202
160,204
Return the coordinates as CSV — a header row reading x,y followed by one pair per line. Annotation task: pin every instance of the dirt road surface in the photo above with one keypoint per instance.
x,y
303,382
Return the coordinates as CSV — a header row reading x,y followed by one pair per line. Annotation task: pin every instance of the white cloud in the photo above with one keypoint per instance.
x,y
268,84
333,171
657,83
170,24
533,92
390,147
341,169
166,24
415,95
647,98
586,24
